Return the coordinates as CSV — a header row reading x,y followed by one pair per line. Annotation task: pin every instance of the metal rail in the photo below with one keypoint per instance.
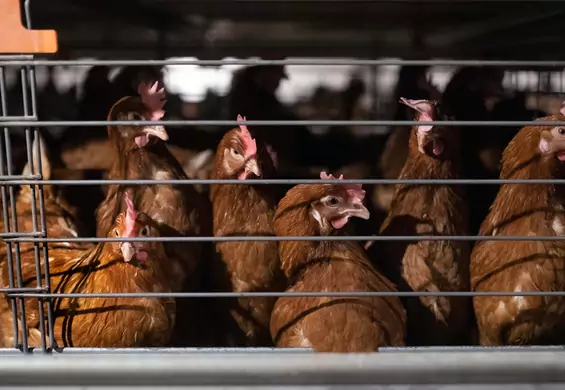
x,y
34,180
287,238
285,369
335,294
171,123
23,61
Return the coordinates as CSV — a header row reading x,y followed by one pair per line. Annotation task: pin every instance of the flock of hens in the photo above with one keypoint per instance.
x,y
324,324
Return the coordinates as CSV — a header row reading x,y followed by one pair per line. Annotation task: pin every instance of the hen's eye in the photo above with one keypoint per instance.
x,y
235,152
144,232
333,201
561,130
135,116
116,233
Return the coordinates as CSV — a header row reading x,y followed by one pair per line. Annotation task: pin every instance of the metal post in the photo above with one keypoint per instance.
x,y
29,151
12,200
33,96
6,214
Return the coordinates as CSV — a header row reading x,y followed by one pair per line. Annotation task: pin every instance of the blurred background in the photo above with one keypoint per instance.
x,y
276,29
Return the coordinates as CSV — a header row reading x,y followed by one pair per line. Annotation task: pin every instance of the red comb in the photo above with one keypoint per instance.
x,y
424,107
353,190
249,144
153,98
131,216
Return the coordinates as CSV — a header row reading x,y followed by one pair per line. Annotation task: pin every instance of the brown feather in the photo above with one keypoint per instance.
x,y
243,209
178,209
329,324
60,216
100,322
429,265
512,266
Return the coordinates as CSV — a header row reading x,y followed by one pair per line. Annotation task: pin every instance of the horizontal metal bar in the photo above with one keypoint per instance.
x,y
271,350
22,234
473,348
17,118
175,350
335,294
288,238
11,178
22,290
293,61
288,369
283,123
15,57
280,181
158,350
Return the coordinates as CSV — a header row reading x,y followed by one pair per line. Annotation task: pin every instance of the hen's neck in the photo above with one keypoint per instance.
x,y
516,201
141,162
247,193
109,269
421,166
296,256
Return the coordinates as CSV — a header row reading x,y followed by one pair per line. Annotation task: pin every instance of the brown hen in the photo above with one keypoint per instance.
x,y
429,210
536,152
331,324
244,209
60,216
140,153
111,267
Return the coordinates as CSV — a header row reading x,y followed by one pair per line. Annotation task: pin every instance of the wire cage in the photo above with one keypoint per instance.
x,y
48,364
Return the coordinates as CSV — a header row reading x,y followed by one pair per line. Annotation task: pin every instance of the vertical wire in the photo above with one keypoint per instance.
x,y
48,302
12,198
44,245
24,74
13,300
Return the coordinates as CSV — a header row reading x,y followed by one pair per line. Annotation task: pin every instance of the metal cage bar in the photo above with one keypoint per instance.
x,y
334,294
6,214
288,238
31,162
28,60
17,293
33,99
5,180
283,123
286,369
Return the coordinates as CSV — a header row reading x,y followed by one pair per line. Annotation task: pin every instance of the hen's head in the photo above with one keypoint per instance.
x,y
130,224
148,106
532,142
430,140
329,205
237,154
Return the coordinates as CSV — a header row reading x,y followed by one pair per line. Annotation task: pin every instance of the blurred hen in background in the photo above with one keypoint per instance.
x,y
253,94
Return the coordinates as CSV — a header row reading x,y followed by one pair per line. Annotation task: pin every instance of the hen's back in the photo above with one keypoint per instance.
x,y
340,324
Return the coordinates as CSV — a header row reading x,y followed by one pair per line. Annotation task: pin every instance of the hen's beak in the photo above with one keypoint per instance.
x,y
251,166
127,251
357,210
157,131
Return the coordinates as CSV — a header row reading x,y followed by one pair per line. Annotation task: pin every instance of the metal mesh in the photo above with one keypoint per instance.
x,y
228,369
38,236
